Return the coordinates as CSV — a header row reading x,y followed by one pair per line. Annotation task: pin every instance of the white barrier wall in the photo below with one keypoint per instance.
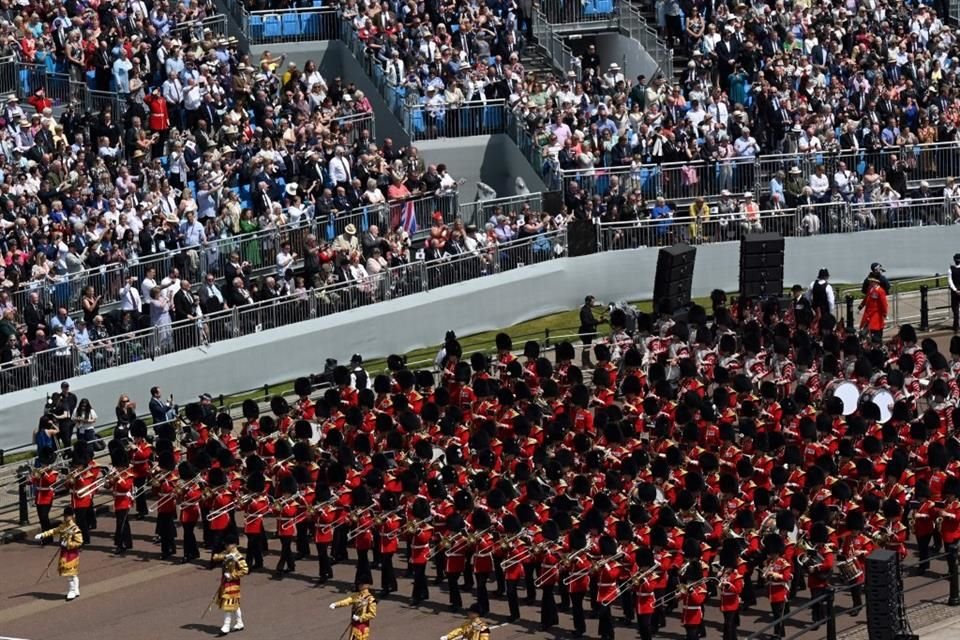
x,y
398,326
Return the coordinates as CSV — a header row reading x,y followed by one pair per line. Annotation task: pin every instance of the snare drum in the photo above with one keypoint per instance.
x,y
847,392
847,571
883,399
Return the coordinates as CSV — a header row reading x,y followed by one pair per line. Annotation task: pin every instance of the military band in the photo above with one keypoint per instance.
x,y
709,464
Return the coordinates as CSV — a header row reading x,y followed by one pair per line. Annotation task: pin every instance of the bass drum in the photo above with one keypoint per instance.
x,y
883,399
847,392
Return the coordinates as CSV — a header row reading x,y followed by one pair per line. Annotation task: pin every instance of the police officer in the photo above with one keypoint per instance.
x,y
876,273
587,330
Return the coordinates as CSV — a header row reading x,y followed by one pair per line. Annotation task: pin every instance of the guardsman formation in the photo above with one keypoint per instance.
x,y
730,460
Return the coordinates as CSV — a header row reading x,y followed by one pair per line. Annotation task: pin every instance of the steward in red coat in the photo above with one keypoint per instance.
x,y
874,307
159,119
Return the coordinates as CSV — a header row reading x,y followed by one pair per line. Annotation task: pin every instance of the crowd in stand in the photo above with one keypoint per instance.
x,y
203,144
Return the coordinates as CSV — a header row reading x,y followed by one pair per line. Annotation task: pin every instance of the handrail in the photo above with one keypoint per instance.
x,y
637,27
559,54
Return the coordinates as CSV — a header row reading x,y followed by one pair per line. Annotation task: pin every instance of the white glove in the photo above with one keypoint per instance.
x,y
227,576
356,618
38,537
332,606
443,637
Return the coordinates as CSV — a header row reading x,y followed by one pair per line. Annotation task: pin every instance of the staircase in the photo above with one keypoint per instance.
x,y
639,21
535,60
550,51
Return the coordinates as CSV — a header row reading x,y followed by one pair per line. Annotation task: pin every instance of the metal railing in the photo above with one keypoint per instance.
x,y
932,162
481,212
71,360
63,91
353,125
288,25
8,75
579,11
658,232
193,30
559,54
634,25
428,121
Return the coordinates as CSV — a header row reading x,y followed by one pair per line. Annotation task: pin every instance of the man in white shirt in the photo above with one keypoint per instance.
x,y
171,284
746,145
148,283
339,168
130,299
845,180
819,184
285,260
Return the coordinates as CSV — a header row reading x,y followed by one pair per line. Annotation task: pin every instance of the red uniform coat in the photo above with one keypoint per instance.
x,y
420,544
731,585
608,576
254,512
221,498
190,504
779,573
286,527
43,487
122,486
389,534
692,601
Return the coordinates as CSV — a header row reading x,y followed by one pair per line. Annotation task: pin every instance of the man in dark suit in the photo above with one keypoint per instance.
x,y
262,203
34,315
211,297
184,309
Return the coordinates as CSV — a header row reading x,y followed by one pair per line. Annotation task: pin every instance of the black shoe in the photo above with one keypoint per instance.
x,y
385,593
278,575
577,634
415,602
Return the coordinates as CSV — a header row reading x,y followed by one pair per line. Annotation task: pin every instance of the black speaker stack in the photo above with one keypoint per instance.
x,y
883,588
761,265
674,278
581,238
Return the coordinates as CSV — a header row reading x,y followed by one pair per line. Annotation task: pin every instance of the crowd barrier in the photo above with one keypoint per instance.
x,y
72,360
287,25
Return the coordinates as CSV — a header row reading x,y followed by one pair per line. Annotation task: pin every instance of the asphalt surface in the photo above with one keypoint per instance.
x,y
139,596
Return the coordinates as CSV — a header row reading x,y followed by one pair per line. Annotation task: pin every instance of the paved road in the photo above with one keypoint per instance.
x,y
139,596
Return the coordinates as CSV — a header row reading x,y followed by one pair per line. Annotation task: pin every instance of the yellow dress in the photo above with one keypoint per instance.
x,y
470,630
228,597
71,539
364,609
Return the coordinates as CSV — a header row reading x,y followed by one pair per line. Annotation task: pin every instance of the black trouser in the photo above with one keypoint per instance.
x,y
362,573
951,549
818,610
548,607
138,484
513,601
483,598
955,309
255,550
778,609
82,516
453,585
440,563
628,604
468,572
190,548
856,594
206,527
325,571
43,515
122,537
420,589
691,632
303,540
167,531
216,540
645,625
286,562
65,434
749,594
388,579
605,618
923,552
501,582
529,571
731,620
339,549
576,609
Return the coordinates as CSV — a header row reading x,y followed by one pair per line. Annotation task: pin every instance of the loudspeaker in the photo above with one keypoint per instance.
x,y
674,278
761,265
581,238
883,587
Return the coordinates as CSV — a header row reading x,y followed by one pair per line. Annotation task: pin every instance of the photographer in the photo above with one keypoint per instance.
x,y
63,405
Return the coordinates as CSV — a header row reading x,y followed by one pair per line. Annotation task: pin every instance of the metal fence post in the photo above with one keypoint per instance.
x,y
23,480
831,615
924,308
954,576
546,337
849,301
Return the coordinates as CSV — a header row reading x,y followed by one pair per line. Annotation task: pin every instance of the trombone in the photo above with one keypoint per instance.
x,y
98,484
582,573
444,543
635,580
527,554
548,574
683,588
360,530
410,527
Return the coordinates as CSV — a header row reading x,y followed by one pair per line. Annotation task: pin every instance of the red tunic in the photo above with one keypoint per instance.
x,y
286,527
123,490
483,554
456,559
607,578
731,585
420,544
80,499
326,519
43,487
166,496
221,498
254,512
190,504
779,573
693,599
389,534
140,459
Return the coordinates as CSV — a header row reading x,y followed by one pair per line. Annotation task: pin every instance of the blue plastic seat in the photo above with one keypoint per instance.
x,y
290,25
417,123
255,26
493,118
310,23
271,26
603,6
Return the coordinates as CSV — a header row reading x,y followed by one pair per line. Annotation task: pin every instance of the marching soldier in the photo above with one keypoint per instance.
x,y
483,549
165,488
141,453
286,509
255,509
549,576
43,480
421,533
233,568
609,573
473,629
388,530
819,561
731,586
71,539
693,593
363,610
121,482
778,574
189,496
83,474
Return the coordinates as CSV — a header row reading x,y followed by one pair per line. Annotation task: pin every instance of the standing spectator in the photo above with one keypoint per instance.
x,y
876,273
64,405
161,410
820,294
86,418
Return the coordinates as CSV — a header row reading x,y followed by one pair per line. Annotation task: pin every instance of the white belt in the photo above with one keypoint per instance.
x,y
602,585
645,594
44,488
123,495
488,554
696,608
419,546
